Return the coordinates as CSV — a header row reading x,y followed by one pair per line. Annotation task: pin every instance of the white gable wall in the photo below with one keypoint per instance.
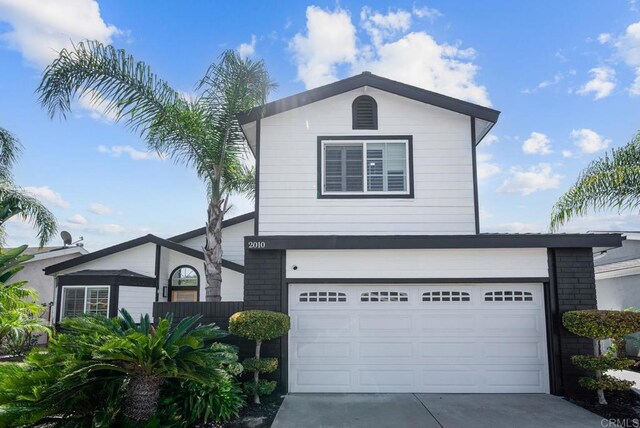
x,y
140,259
442,162
232,241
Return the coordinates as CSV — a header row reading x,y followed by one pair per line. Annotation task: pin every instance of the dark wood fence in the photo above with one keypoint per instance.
x,y
212,312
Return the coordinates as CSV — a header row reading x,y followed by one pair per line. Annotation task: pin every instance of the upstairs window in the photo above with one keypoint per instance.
x,y
367,167
364,113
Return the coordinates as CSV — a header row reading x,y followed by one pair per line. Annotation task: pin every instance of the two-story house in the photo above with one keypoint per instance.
x,y
366,232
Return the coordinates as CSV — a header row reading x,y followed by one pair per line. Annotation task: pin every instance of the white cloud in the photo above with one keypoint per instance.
x,y
516,227
589,141
77,219
394,51
557,78
490,139
106,229
536,178
604,38
100,209
602,83
47,196
427,12
134,154
382,27
537,144
627,48
320,51
567,154
41,28
246,50
486,169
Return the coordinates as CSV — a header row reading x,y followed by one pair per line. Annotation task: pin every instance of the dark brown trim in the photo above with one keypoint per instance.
x,y
170,287
506,280
157,269
201,230
256,200
364,195
371,80
552,316
233,266
483,240
114,300
476,202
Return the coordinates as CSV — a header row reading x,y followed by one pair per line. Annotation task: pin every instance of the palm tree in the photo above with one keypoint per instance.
x,y
612,181
201,133
14,201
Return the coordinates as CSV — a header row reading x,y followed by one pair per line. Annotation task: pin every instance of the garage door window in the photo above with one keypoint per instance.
x,y
384,296
508,296
323,296
446,296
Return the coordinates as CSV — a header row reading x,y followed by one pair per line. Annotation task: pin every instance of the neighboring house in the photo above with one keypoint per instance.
x,y
366,232
33,270
618,275
137,273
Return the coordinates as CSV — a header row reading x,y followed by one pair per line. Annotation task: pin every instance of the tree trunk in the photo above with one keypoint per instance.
x,y
256,374
141,398
596,350
213,251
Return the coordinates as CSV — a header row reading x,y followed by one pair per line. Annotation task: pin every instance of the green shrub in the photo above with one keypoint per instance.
x,y
263,387
602,362
605,383
259,326
263,365
600,324
188,403
105,372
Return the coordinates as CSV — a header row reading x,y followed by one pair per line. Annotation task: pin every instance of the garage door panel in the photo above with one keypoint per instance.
x,y
429,342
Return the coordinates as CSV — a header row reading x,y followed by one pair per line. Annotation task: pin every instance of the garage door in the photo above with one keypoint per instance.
x,y
480,338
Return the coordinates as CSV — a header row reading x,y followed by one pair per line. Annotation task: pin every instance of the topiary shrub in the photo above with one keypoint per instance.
x,y
259,326
600,325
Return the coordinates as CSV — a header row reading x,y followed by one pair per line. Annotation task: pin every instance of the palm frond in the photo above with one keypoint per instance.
x,y
14,201
612,181
10,149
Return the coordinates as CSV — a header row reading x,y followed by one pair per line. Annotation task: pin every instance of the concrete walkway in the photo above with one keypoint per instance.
x,y
431,410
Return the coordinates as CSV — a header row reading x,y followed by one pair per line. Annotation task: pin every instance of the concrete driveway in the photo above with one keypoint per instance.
x,y
431,410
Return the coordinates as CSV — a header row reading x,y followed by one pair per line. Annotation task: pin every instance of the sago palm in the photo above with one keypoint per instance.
x,y
610,182
95,358
14,201
202,133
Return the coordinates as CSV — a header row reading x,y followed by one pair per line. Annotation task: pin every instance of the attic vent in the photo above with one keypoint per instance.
x,y
365,113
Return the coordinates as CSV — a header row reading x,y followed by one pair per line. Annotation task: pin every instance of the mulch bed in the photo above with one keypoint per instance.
x,y
623,407
267,409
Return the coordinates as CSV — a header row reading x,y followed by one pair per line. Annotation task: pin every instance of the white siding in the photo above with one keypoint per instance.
x,y
140,259
137,300
446,263
232,281
232,241
443,179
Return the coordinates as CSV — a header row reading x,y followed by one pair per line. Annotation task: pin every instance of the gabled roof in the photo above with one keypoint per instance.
x,y
371,80
108,272
147,239
201,230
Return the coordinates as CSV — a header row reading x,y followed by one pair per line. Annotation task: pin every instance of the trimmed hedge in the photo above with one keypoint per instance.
x,y
603,362
259,325
601,324
606,383
262,365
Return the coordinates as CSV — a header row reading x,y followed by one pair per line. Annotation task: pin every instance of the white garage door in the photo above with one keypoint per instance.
x,y
482,338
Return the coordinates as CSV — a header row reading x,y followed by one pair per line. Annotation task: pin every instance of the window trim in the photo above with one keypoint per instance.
x,y
171,288
86,287
359,139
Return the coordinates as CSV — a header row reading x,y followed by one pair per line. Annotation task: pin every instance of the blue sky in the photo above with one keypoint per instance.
x,y
566,78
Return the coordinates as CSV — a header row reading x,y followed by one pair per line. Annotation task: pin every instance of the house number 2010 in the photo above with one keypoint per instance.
x,y
254,245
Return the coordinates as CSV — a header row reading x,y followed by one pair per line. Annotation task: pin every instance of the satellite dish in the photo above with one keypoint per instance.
x,y
66,237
